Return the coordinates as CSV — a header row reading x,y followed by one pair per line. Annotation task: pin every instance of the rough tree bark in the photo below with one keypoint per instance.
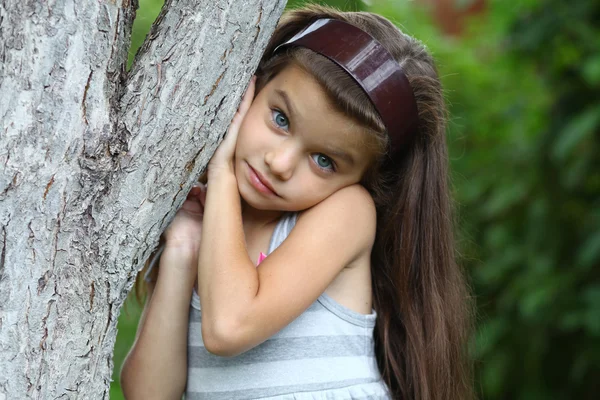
x,y
94,162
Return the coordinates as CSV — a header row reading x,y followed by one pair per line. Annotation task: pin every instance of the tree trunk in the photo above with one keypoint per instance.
x,y
95,161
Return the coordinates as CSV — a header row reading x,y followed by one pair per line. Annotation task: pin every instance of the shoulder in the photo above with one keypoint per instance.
x,y
349,212
353,198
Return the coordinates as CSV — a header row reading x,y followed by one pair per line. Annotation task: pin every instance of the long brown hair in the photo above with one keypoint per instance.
x,y
420,294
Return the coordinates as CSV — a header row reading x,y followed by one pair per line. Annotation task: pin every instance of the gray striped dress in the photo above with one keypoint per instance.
x,y
325,354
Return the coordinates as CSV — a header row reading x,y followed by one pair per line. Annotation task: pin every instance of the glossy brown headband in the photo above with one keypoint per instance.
x,y
372,67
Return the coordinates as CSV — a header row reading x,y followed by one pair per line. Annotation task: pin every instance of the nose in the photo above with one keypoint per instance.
x,y
282,160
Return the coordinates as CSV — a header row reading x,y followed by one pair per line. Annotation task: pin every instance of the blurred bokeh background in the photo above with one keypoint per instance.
x,y
522,81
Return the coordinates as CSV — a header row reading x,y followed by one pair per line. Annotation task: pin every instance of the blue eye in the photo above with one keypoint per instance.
x,y
323,162
280,119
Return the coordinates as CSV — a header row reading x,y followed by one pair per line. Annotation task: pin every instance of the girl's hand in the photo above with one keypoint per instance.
x,y
185,231
222,160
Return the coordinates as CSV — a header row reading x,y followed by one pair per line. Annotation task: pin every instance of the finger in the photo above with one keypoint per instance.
x,y
230,139
248,97
198,192
194,191
243,108
192,206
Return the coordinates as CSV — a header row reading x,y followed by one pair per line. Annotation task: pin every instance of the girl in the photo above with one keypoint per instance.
x,y
337,169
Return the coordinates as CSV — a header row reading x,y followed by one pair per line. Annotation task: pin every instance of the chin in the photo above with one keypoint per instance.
x,y
254,200
261,204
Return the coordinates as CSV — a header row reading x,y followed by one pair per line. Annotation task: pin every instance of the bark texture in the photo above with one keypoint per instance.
x,y
94,163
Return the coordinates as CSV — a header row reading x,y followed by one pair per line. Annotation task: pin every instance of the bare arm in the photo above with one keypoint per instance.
x,y
156,366
242,305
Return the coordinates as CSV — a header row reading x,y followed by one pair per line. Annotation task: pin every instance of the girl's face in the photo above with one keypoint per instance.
x,y
294,149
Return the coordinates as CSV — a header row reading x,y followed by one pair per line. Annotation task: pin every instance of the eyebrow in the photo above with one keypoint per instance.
x,y
288,103
341,155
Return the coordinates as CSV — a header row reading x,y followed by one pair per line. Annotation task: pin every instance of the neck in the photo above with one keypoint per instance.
x,y
256,217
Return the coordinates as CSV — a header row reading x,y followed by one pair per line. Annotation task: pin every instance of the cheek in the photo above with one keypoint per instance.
x,y
311,187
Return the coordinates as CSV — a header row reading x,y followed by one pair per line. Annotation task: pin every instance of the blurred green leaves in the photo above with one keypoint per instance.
x,y
525,153
146,14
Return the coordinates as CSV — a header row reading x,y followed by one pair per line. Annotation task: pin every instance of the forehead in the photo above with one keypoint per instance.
x,y
314,115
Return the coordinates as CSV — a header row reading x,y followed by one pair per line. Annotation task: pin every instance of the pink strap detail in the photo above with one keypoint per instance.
x,y
261,257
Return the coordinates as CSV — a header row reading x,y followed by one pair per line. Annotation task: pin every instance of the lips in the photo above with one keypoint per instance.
x,y
260,183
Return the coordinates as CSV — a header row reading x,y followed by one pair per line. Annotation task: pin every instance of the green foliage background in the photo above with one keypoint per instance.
x,y
523,88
